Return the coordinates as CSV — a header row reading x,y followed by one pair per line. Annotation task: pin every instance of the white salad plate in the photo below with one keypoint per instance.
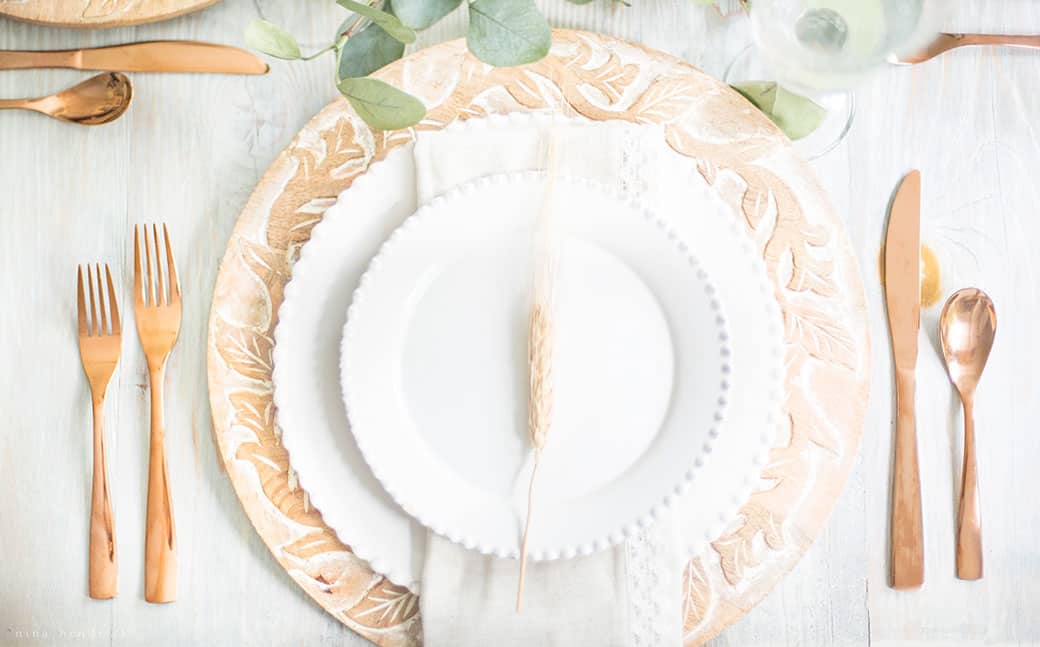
x,y
307,391
435,377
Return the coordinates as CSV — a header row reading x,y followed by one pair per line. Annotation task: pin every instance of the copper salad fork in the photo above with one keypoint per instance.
x,y
100,335
945,42
157,309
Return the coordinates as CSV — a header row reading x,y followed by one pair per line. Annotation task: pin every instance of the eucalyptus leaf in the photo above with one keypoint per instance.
x,y
796,115
367,51
381,105
507,32
420,14
272,40
389,22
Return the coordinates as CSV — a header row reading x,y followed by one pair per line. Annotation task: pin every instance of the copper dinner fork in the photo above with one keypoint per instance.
x,y
100,334
157,309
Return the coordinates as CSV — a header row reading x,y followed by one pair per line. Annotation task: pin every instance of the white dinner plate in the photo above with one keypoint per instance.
x,y
435,376
309,406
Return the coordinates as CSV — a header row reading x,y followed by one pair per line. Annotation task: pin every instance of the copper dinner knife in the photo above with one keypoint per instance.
x,y
903,299
152,56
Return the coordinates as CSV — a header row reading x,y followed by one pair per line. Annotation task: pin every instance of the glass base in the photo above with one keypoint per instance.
x,y
840,106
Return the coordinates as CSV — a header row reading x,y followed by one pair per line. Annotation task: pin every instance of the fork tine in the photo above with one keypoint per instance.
x,y
117,328
93,309
138,288
160,288
101,302
171,279
81,305
149,289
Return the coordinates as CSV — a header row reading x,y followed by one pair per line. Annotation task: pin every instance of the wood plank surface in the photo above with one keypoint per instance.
x,y
190,151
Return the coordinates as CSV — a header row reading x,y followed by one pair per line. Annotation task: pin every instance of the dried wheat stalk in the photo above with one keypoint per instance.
x,y
540,337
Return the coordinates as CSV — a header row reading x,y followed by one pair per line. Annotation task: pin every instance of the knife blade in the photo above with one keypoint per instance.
x,y
152,56
903,301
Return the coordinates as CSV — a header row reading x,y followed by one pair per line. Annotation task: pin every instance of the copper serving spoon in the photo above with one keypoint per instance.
x,y
967,326
98,100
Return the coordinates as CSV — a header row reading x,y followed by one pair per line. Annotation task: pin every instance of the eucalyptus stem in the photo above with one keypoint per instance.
x,y
321,51
350,31
358,24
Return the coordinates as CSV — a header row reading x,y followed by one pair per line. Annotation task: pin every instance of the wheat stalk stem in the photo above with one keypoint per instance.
x,y
540,337
523,545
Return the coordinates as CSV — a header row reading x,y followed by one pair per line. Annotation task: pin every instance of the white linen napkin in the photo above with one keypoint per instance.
x,y
626,595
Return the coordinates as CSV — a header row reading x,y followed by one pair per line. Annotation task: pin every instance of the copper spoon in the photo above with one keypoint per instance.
x,y
98,100
967,326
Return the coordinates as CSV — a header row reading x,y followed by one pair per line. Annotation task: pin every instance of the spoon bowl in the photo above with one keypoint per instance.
x,y
967,327
98,100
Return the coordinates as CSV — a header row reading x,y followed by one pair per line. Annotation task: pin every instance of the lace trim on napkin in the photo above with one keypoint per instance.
x,y
646,556
648,568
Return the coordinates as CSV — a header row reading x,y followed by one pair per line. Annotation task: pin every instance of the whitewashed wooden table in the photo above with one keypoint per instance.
x,y
192,148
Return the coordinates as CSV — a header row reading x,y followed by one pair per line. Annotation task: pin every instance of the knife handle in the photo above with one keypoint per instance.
x,y
14,60
907,532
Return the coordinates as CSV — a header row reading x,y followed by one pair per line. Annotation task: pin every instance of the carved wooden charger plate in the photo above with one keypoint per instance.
x,y
736,149
98,13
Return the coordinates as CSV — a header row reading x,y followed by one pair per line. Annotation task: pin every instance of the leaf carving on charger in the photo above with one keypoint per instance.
x,y
246,350
665,100
385,605
314,544
822,337
696,594
105,8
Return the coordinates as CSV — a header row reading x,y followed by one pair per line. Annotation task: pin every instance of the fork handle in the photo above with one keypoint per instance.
x,y
1007,40
15,104
103,570
160,553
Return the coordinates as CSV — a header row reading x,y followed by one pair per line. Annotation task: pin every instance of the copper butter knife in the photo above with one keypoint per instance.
x,y
903,298
153,56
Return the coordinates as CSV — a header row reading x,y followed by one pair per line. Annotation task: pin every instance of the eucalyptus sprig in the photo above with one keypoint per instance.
x,y
794,114
502,33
